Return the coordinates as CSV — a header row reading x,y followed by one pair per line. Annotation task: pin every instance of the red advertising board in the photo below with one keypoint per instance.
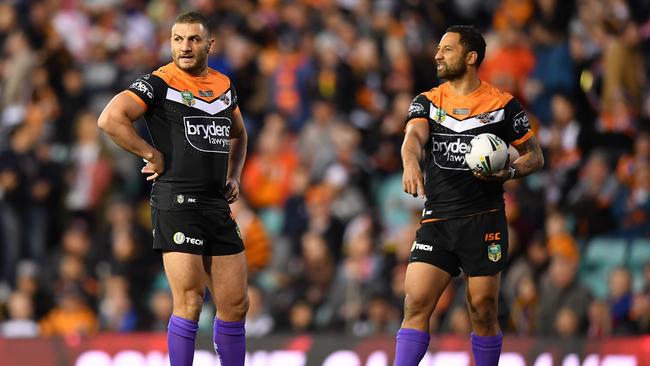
x,y
320,350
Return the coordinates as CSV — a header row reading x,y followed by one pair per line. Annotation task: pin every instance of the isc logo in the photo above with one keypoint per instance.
x,y
493,236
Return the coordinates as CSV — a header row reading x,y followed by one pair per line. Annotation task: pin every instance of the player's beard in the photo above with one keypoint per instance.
x,y
452,72
196,68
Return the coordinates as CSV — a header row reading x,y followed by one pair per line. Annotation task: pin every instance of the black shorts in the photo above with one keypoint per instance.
x,y
206,232
477,244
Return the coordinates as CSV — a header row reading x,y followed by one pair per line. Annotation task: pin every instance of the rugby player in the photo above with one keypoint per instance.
x,y
199,147
463,225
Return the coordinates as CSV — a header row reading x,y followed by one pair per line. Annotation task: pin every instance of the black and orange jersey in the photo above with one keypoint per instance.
x,y
451,188
189,119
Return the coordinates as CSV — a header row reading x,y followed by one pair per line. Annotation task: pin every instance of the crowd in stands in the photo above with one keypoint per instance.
x,y
324,87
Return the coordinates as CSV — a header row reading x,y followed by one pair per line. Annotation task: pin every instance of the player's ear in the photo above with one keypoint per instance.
x,y
210,45
471,58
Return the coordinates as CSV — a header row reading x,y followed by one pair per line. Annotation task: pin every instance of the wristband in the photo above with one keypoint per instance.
x,y
512,172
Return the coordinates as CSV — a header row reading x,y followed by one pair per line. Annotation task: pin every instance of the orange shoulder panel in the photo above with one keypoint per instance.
x,y
490,100
207,88
433,95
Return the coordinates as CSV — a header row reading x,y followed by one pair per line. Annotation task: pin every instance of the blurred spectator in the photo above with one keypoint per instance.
x,y
622,65
627,164
381,318
24,187
325,87
316,144
562,141
90,171
510,62
116,310
524,307
357,277
301,317
632,204
591,198
254,235
29,282
71,316
553,70
567,324
620,300
258,321
459,322
600,320
160,305
20,322
266,180
560,288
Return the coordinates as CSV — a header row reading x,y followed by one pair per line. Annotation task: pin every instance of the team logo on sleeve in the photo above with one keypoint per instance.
x,y
208,134
188,98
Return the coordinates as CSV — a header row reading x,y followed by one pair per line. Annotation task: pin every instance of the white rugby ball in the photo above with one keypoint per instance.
x,y
488,154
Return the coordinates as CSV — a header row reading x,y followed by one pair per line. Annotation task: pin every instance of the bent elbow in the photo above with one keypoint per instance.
x,y
540,162
103,122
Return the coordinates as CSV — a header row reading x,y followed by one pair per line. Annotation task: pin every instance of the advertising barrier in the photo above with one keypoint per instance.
x,y
149,349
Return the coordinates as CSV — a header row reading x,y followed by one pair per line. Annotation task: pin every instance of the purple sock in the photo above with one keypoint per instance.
x,y
487,349
229,342
410,347
181,334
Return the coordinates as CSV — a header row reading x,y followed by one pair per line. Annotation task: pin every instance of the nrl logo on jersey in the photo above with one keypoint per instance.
x,y
188,98
440,115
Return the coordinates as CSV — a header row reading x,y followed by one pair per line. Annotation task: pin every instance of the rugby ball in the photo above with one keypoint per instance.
x,y
488,154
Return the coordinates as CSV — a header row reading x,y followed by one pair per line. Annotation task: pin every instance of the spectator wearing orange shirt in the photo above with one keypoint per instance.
x,y
71,316
267,176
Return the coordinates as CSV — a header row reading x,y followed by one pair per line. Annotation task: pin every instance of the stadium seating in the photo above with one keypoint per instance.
x,y
639,256
601,255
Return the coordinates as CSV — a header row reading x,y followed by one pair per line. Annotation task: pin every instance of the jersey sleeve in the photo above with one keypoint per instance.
x,y
517,124
235,99
147,90
419,108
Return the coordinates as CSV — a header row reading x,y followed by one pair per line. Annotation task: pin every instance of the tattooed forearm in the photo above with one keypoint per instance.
x,y
530,158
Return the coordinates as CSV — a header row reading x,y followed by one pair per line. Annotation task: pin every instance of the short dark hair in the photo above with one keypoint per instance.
x,y
471,39
192,17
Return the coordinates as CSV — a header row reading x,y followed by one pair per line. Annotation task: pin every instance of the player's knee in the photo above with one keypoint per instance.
x,y
240,308
416,306
483,307
191,302
235,309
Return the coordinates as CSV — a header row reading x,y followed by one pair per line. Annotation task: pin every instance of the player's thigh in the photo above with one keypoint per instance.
x,y
228,279
184,272
423,285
